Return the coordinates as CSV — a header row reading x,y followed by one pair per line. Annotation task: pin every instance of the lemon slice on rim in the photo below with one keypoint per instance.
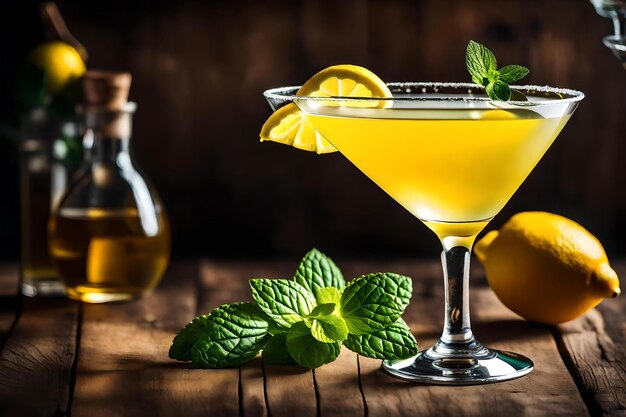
x,y
290,126
347,81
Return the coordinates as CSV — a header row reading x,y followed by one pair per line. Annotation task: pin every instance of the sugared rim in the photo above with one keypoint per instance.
x,y
565,95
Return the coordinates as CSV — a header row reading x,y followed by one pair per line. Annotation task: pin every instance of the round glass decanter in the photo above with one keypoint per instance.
x,y
110,237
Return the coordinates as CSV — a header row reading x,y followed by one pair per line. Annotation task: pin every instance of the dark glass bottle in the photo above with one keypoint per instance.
x,y
49,145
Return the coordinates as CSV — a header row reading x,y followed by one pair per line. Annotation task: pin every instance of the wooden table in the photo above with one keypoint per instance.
x,y
59,357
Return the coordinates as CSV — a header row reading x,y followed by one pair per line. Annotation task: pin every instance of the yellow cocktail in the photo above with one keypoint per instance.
x,y
454,169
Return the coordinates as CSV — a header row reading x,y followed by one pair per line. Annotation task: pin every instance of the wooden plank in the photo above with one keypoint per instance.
x,y
252,396
548,390
599,364
338,387
287,389
222,284
9,300
123,367
594,347
290,391
36,362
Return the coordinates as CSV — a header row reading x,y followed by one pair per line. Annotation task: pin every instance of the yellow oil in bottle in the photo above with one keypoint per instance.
x,y
107,255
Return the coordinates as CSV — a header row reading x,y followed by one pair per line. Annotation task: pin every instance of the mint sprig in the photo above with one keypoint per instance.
x,y
483,67
317,271
185,339
393,342
233,334
328,329
375,301
304,321
284,301
308,351
275,351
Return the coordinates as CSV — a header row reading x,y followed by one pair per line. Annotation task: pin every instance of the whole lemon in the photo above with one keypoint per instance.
x,y
61,62
546,268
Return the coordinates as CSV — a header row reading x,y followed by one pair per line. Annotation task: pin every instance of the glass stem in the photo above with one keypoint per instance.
x,y
456,327
619,23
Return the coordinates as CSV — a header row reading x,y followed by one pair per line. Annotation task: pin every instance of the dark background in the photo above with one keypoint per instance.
x,y
199,70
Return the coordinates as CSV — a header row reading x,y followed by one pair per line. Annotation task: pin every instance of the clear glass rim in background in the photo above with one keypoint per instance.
x,y
556,95
616,43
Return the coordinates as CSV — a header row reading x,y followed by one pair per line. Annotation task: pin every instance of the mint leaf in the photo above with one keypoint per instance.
x,y
273,327
492,75
479,61
328,329
512,73
393,342
184,340
498,90
329,295
483,68
275,351
284,301
234,334
306,350
375,301
317,271
322,310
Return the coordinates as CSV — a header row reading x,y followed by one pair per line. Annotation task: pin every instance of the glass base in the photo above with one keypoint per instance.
x,y
445,366
99,295
43,287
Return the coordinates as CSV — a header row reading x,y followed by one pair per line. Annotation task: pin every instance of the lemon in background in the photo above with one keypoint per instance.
x,y
546,268
61,63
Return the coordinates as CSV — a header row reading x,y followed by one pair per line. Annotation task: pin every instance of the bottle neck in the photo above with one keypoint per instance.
x,y
110,133
107,149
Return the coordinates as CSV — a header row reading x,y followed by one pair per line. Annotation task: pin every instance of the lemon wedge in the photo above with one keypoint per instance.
x,y
290,126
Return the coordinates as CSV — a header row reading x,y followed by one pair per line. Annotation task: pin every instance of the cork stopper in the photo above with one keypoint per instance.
x,y
106,89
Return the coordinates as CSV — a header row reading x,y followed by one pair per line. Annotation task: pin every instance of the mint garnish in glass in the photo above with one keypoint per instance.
x,y
483,67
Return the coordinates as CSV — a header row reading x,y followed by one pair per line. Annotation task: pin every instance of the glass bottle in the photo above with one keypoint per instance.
x,y
45,143
110,237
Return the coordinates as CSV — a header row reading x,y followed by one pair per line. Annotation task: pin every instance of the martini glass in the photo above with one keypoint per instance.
x,y
616,11
453,158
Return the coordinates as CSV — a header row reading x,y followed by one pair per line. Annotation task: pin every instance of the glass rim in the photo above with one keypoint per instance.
x,y
289,94
615,42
